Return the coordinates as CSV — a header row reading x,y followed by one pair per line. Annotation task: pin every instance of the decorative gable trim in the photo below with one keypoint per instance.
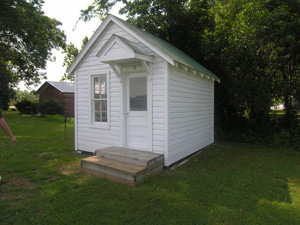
x,y
101,29
119,50
142,40
173,56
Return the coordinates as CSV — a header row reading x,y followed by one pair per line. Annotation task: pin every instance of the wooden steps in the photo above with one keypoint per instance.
x,y
123,165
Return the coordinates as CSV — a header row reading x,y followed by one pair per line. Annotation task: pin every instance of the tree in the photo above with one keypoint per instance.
x,y
253,46
282,51
245,93
170,20
71,52
257,46
6,87
27,37
20,95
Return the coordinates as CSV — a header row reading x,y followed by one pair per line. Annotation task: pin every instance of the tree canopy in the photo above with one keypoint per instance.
x,y
253,46
27,37
256,44
71,51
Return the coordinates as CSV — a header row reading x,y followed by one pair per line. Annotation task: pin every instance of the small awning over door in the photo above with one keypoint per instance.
x,y
118,51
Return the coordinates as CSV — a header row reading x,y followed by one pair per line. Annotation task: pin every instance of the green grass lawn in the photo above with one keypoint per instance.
x,y
227,183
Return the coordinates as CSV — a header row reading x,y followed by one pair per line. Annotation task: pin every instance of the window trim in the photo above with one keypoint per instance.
x,y
92,122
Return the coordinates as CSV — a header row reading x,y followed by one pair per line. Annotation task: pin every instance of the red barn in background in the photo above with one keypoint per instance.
x,y
61,91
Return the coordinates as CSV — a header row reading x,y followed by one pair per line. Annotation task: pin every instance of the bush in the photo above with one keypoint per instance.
x,y
51,107
59,118
5,107
282,139
26,106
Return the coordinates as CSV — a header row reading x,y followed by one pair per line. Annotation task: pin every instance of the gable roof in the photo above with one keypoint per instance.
x,y
164,49
63,87
131,51
133,46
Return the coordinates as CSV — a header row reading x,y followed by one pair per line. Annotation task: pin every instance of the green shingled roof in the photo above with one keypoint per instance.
x,y
170,50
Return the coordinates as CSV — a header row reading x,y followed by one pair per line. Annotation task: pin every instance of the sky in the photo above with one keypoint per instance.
x,y
68,12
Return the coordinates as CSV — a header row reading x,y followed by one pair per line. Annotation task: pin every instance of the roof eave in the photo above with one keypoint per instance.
x,y
88,45
99,31
197,72
42,88
143,40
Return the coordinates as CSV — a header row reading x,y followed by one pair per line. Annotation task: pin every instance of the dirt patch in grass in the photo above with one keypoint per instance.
x,y
46,153
70,168
15,183
11,196
19,183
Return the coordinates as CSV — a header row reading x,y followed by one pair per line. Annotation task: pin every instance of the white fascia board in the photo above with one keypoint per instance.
x,y
148,58
142,40
128,53
100,31
105,48
102,54
88,45
187,68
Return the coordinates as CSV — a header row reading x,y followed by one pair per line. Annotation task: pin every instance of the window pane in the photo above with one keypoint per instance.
x,y
99,100
104,117
97,117
96,87
104,105
103,87
138,93
97,106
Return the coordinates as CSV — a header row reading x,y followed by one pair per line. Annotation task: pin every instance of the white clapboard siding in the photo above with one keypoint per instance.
x,y
181,114
191,100
158,113
159,99
91,138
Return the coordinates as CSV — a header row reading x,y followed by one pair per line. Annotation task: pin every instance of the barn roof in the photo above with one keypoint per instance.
x,y
63,87
167,51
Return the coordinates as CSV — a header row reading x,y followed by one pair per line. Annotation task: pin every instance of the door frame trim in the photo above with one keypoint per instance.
x,y
149,108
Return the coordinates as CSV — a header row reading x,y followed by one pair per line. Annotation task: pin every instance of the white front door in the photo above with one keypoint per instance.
x,y
136,112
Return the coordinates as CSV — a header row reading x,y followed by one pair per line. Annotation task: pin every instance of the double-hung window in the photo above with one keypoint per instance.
x,y
99,98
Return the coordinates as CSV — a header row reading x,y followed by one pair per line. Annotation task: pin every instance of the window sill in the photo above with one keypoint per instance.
x,y
105,126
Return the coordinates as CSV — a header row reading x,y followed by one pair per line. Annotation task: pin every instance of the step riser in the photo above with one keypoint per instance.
x,y
155,162
118,176
114,179
123,165
147,174
107,171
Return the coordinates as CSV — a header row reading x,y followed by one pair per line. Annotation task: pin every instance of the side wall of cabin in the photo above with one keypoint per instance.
x,y
191,113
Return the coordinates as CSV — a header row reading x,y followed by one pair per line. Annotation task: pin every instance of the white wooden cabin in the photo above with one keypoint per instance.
x,y
137,91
